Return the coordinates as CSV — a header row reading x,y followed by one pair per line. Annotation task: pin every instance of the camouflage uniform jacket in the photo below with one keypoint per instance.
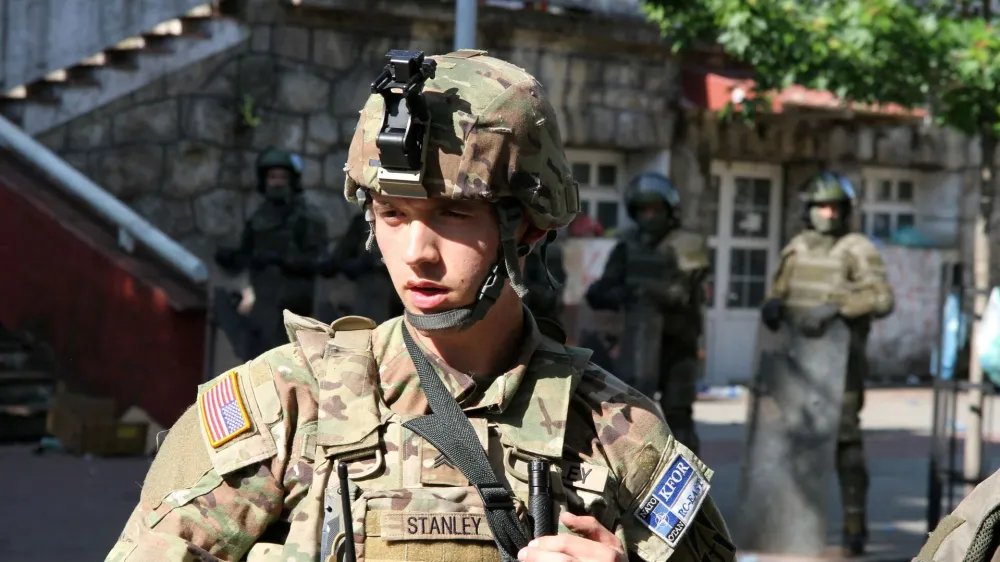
x,y
970,532
255,485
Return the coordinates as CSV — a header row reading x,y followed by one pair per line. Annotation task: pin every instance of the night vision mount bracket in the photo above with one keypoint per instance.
x,y
402,138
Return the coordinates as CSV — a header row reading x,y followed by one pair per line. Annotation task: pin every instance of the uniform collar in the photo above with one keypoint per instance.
x,y
400,383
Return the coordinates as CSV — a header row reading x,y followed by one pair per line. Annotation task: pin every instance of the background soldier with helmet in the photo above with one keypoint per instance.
x,y
829,273
656,276
281,243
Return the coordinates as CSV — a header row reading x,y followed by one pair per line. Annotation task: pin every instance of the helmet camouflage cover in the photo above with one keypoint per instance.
x,y
828,187
493,135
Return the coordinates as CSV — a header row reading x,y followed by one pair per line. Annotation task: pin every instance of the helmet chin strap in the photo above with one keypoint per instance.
x,y
506,267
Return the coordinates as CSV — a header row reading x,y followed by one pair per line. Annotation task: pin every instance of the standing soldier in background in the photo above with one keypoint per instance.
x,y
828,272
280,245
656,274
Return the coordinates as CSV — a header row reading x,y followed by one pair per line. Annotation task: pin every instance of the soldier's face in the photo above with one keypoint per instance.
x,y
437,251
827,211
277,178
651,211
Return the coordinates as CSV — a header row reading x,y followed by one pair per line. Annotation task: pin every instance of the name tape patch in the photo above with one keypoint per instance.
x,y
674,501
412,526
584,476
223,414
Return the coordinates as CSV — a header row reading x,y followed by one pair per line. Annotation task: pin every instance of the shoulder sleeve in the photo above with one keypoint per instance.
x,y
222,475
973,526
691,250
870,290
779,283
665,509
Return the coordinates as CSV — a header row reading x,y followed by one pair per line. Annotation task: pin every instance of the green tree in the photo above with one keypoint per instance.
x,y
940,55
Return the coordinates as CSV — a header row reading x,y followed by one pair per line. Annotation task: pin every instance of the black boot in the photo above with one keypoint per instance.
x,y
855,534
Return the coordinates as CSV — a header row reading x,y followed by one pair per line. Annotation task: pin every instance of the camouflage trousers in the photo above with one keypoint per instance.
x,y
852,471
678,391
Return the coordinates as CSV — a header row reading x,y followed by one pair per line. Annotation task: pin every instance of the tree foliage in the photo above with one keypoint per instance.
x,y
941,55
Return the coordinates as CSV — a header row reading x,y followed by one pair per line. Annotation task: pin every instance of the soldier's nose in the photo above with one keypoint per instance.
x,y
420,245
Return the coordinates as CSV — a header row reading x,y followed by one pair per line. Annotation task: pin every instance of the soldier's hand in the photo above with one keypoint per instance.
x,y
770,314
815,321
596,544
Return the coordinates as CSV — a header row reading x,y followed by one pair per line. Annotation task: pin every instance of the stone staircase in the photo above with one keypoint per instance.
x,y
130,64
27,386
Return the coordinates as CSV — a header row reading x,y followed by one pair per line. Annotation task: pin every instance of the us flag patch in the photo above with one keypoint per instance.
x,y
222,412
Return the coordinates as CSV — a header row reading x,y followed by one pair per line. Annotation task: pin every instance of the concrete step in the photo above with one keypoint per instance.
x,y
129,65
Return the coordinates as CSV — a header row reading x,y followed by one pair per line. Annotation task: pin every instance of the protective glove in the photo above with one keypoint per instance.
x,y
815,321
770,314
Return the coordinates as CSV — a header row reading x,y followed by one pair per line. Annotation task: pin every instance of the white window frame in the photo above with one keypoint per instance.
x,y
594,194
870,205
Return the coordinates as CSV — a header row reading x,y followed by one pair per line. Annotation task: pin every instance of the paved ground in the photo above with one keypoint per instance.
x,y
897,444
60,507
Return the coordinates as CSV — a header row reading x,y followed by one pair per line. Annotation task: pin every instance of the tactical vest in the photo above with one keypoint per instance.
x,y
678,252
819,272
274,232
407,503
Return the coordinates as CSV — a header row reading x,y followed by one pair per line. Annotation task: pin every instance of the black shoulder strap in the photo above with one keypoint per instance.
x,y
450,431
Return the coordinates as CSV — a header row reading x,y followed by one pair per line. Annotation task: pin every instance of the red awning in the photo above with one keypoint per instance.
x,y
713,91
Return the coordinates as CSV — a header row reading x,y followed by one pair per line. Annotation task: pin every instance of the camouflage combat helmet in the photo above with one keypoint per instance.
x,y
492,136
272,157
827,188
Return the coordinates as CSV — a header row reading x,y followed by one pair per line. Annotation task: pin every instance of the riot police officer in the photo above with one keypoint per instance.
x,y
829,272
657,272
280,246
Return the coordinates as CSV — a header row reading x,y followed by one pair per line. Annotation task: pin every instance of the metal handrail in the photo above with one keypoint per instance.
x,y
130,225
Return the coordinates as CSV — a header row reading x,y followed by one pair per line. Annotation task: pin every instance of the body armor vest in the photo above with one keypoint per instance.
x,y
407,502
819,270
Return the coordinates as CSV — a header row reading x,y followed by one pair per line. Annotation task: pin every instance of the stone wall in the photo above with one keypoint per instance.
x,y
803,146
181,152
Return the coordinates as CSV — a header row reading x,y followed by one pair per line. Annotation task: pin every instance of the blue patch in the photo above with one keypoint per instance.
x,y
674,500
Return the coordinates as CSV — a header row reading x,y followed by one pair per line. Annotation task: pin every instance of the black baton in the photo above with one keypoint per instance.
x,y
345,499
540,497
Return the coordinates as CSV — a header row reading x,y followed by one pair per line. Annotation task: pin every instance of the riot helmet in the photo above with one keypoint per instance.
x,y
274,158
827,190
653,203
465,126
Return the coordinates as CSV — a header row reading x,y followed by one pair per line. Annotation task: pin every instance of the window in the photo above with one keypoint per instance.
x,y
888,202
601,175
747,277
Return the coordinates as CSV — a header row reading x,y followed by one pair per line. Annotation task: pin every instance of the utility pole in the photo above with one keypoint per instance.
x,y
465,24
981,274
973,465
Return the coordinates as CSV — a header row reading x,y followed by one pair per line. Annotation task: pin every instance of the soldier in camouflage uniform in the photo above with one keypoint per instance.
x,y
654,205
830,271
250,472
280,245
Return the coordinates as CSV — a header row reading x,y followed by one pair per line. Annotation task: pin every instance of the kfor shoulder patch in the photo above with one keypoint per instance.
x,y
674,500
223,413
